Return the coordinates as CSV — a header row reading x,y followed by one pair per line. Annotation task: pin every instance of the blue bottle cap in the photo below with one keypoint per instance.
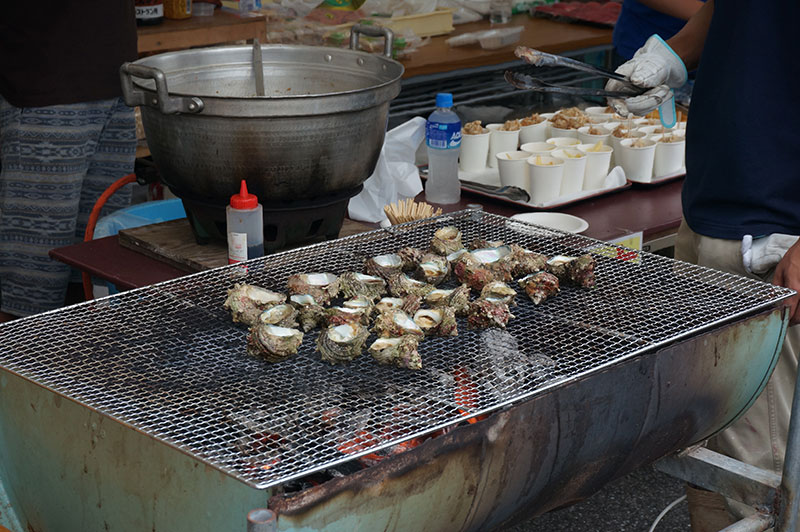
x,y
444,99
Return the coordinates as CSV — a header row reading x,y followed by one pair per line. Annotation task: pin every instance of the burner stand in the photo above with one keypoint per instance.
x,y
286,224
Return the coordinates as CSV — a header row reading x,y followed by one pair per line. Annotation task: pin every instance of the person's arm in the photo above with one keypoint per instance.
x,y
682,9
688,43
787,274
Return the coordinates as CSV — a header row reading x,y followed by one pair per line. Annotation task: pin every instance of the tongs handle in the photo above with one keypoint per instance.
x,y
539,58
521,81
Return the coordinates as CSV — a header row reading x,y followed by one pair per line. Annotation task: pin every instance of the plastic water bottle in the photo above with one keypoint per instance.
x,y
245,220
443,138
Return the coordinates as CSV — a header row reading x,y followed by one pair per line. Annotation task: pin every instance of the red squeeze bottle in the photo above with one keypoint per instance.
x,y
245,226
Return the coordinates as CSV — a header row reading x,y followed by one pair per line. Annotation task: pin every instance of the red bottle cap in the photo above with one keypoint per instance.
x,y
243,200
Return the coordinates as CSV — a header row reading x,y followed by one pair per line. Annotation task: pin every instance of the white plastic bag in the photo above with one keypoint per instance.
x,y
395,176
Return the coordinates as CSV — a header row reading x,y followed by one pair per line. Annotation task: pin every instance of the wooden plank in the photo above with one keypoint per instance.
x,y
223,27
173,242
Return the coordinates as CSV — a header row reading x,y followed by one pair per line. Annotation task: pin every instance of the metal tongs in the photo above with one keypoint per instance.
x,y
538,58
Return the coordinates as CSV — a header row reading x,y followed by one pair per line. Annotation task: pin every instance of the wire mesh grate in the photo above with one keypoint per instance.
x,y
167,359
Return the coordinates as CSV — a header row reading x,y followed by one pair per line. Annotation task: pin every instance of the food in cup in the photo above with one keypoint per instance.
x,y
474,128
568,122
622,132
572,112
599,146
569,118
596,131
510,125
640,143
669,137
531,120
541,162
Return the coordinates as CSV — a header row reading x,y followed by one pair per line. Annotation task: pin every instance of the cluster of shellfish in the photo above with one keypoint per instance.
x,y
388,298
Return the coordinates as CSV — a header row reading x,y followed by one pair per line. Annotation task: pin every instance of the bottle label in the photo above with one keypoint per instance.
x,y
150,11
443,136
237,247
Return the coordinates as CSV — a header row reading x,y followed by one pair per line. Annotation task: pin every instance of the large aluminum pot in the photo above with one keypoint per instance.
x,y
317,129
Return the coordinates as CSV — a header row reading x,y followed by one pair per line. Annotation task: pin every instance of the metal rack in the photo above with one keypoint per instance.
x,y
168,361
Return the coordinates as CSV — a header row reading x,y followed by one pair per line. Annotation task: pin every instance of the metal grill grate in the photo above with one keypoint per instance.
x,y
167,360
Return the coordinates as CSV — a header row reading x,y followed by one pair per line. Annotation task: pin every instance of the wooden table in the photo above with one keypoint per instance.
x,y
224,26
546,35
655,211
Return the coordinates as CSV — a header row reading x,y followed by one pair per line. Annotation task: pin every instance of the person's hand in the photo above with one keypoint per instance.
x,y
654,66
787,273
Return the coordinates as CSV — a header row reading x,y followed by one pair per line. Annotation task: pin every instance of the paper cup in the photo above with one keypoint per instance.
x,y
599,110
513,169
615,143
669,157
660,130
587,138
558,132
538,148
547,117
641,122
574,169
597,165
533,133
564,142
500,141
546,177
474,151
638,161
601,118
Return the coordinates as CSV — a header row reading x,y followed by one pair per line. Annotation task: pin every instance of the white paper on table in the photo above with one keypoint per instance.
x,y
395,177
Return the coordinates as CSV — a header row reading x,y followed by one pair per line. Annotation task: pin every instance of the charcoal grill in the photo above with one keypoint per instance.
x,y
148,401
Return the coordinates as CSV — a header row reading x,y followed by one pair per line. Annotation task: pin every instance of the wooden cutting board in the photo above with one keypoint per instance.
x,y
173,242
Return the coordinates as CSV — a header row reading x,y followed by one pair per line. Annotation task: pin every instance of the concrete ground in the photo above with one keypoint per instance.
x,y
630,504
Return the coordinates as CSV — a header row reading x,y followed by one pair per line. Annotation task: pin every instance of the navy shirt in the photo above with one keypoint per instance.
x,y
637,22
743,137
54,52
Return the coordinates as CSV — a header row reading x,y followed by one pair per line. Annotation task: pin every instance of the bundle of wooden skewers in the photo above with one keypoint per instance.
x,y
407,210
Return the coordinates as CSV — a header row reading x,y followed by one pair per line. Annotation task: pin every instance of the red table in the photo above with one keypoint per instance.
x,y
656,211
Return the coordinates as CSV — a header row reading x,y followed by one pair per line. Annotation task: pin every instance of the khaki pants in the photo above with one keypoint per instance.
x,y
759,436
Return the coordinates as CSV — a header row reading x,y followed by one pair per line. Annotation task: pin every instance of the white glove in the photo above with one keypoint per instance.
x,y
760,255
653,65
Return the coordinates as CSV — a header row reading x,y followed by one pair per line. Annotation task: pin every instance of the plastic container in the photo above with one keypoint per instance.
x,y
488,39
245,222
147,213
499,38
202,9
443,139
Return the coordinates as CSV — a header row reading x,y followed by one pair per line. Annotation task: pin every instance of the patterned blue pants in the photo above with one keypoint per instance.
x,y
55,162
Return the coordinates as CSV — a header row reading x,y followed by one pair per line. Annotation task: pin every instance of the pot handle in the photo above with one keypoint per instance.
x,y
373,31
162,100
